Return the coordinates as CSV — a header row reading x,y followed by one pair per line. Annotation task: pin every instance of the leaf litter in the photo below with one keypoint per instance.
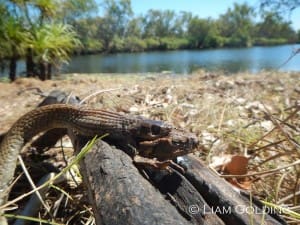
x,y
250,119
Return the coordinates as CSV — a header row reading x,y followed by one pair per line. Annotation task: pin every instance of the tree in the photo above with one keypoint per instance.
x,y
159,23
237,25
115,21
89,33
15,36
69,11
198,30
52,45
34,29
13,39
134,27
182,22
274,26
204,33
36,14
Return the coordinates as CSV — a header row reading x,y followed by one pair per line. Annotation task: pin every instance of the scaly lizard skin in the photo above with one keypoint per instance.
x,y
151,138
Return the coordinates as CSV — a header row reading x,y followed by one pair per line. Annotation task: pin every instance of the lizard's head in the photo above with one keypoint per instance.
x,y
176,143
153,129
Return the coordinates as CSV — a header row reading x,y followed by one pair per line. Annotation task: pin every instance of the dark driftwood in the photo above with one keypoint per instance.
x,y
220,195
184,197
119,194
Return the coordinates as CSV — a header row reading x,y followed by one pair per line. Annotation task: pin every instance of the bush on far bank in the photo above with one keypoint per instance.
x,y
136,44
270,41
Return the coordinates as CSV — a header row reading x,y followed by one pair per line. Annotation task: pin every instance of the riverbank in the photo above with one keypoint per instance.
x,y
233,115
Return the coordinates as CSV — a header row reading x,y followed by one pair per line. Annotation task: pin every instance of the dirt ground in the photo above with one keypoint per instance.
x,y
243,114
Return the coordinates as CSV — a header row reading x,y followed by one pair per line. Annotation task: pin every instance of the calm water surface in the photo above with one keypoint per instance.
x,y
186,61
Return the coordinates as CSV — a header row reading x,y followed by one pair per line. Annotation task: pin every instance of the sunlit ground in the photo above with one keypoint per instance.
x,y
245,114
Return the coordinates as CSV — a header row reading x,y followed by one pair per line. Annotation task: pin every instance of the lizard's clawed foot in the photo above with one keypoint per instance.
x,y
156,164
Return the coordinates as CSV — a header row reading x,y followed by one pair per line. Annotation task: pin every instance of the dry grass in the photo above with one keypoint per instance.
x,y
257,115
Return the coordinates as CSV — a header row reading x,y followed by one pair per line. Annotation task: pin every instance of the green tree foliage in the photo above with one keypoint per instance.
x,y
198,30
68,11
181,24
159,23
237,25
134,44
14,43
117,15
13,38
134,28
204,33
172,43
152,43
89,32
274,28
276,14
34,30
51,44
167,30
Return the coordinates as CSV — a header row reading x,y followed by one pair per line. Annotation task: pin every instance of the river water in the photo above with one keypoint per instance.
x,y
228,60
186,61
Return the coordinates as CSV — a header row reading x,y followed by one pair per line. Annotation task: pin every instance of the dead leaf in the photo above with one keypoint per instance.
x,y
238,165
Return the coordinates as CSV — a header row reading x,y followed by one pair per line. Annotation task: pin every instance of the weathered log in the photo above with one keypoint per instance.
x,y
198,195
57,96
184,197
229,204
118,192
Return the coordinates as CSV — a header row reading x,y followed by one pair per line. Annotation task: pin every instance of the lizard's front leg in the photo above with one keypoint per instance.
x,y
153,163
149,154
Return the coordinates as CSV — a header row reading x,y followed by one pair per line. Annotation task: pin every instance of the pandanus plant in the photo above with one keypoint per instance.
x,y
52,44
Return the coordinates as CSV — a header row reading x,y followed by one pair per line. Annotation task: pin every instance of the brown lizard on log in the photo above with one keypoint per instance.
x,y
150,138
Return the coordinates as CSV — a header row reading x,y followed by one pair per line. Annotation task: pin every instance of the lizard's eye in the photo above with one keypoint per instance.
x,y
145,130
155,130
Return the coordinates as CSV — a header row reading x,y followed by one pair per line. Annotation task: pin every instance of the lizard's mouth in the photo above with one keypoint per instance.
x,y
176,143
183,140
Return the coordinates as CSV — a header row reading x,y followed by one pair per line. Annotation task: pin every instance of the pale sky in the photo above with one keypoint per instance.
x,y
204,9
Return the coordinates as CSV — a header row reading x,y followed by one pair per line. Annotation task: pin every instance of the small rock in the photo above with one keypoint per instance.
x,y
268,125
279,89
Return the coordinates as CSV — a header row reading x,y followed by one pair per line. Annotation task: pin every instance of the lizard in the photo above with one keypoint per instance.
x,y
151,138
